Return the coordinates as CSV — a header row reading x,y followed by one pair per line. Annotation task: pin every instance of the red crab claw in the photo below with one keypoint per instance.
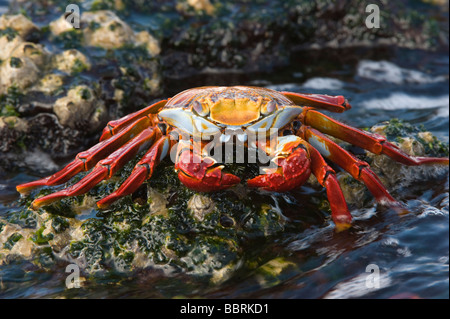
x,y
293,170
201,174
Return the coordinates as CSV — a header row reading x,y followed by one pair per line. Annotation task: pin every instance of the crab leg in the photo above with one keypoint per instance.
x,y
327,178
141,172
358,169
331,103
104,169
117,125
290,166
372,142
85,160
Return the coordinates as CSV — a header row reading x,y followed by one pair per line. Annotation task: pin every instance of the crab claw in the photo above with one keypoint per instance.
x,y
292,171
202,174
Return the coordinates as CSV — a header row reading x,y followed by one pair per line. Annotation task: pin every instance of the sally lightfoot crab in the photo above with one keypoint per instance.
x,y
234,115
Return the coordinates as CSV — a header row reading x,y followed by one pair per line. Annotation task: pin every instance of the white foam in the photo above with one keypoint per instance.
x,y
384,71
400,100
358,286
321,83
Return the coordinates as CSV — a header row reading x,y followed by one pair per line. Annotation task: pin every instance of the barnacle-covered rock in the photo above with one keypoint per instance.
x,y
32,51
41,67
19,72
13,122
105,29
9,40
197,5
149,42
60,25
19,23
80,108
71,61
412,140
50,83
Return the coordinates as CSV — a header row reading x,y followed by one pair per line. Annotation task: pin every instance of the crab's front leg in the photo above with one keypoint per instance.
x,y
295,160
290,165
200,172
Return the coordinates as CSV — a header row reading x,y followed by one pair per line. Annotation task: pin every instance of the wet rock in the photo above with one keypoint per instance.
x,y
197,5
13,122
80,108
32,51
71,61
149,42
60,26
39,79
51,82
200,206
9,40
21,64
105,29
19,72
19,23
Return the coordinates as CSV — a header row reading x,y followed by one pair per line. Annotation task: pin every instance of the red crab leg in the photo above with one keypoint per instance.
x,y
141,172
372,142
291,166
104,169
117,125
327,178
358,169
200,173
87,159
331,103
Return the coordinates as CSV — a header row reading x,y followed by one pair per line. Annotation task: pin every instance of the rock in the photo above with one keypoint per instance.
x,y
105,29
79,108
197,5
32,51
146,39
200,206
71,61
8,42
19,72
50,83
18,22
60,25
13,122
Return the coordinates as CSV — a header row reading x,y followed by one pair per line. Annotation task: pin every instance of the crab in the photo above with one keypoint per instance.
x,y
233,114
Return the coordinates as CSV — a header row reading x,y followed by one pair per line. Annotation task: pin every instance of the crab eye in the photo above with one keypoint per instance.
x,y
201,108
268,108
